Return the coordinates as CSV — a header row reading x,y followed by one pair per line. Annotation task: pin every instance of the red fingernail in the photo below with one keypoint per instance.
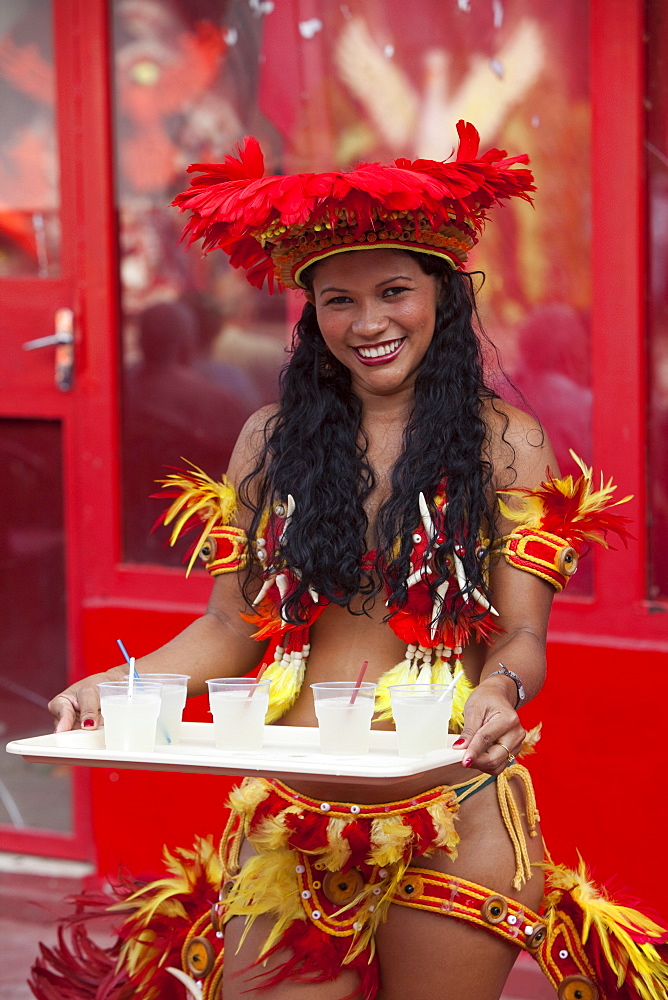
x,y
467,762
88,723
459,742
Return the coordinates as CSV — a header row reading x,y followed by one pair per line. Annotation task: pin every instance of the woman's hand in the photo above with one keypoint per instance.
x,y
78,706
492,730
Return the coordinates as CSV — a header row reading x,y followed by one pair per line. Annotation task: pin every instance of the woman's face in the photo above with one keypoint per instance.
x,y
377,311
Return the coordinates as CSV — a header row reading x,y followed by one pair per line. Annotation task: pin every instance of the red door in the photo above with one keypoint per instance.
x,y
55,275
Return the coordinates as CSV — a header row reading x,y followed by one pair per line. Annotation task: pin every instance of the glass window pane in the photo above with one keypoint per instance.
x,y
29,177
366,81
657,294
33,639
201,348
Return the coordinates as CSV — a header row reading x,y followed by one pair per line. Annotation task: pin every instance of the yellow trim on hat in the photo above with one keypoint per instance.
x,y
379,245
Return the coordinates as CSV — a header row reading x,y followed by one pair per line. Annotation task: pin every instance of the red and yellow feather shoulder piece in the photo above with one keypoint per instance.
x,y
557,520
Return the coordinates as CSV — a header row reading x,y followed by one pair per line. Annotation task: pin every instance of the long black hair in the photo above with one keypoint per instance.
x,y
315,449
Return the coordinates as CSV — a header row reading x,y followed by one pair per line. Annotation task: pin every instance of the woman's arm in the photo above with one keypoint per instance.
x,y
217,644
523,602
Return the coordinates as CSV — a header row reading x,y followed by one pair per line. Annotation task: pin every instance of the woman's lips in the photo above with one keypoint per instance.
x,y
379,354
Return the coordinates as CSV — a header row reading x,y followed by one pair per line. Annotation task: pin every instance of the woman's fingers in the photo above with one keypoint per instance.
x,y
78,706
490,724
89,706
488,753
493,745
64,711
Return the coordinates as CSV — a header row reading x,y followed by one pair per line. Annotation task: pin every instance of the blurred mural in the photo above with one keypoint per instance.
x,y
29,195
329,84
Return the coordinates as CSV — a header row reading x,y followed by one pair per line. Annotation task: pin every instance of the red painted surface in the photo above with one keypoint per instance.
x,y
596,771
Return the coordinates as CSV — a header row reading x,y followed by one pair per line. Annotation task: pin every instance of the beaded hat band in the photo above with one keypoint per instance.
x,y
292,256
275,227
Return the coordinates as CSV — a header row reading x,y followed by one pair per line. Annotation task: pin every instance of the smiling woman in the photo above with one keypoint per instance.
x,y
361,519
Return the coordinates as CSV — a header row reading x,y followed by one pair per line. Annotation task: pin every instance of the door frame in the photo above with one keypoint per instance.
x,y
88,413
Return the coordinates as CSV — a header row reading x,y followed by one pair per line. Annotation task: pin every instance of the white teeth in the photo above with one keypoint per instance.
x,y
380,351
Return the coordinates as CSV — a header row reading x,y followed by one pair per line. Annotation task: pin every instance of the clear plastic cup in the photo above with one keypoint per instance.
x,y
174,694
238,706
421,715
344,714
130,720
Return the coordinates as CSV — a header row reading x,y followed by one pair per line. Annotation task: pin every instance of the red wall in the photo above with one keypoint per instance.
x,y
595,770
599,787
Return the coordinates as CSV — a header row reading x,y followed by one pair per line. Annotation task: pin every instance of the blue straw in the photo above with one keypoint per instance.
x,y
130,663
128,658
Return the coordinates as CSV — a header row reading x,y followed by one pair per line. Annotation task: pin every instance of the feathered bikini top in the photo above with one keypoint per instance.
x,y
555,522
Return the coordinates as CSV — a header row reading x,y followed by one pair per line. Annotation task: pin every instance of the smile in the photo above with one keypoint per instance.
x,y
379,352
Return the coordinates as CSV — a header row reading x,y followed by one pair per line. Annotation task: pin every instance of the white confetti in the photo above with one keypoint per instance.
x,y
308,29
388,51
261,7
231,36
497,13
496,67
464,5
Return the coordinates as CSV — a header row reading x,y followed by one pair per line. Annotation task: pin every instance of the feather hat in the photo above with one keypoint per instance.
x,y
275,227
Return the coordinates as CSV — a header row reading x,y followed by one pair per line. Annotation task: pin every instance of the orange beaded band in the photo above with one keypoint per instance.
x,y
555,943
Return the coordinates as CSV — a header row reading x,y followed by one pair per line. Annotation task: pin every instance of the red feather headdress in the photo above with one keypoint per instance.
x,y
274,227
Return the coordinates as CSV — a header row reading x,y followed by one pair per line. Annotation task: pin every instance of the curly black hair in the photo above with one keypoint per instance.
x,y
315,449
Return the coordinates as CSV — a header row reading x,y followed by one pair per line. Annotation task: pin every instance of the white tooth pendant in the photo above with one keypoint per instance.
x,y
459,572
288,516
464,586
264,590
282,584
426,518
482,600
437,608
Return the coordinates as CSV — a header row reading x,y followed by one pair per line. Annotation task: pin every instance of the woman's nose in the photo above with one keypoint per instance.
x,y
370,321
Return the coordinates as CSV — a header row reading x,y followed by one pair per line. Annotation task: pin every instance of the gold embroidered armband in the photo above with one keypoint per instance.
x,y
541,553
225,550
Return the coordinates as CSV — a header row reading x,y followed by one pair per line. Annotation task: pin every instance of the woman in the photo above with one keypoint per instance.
x,y
361,519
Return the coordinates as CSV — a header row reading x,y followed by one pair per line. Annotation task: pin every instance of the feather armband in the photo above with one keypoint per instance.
x,y
555,523
200,502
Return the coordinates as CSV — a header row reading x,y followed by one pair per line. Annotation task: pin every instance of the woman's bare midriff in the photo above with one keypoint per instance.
x,y
340,643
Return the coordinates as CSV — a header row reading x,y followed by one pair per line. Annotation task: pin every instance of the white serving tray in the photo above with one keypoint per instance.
x,y
287,751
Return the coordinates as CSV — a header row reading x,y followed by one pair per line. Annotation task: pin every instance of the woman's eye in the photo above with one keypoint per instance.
x,y
394,290
338,300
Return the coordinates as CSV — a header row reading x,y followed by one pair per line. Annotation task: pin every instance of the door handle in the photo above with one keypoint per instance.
x,y
63,340
52,341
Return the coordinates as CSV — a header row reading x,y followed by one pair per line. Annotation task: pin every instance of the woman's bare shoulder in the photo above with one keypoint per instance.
x,y
250,443
519,448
